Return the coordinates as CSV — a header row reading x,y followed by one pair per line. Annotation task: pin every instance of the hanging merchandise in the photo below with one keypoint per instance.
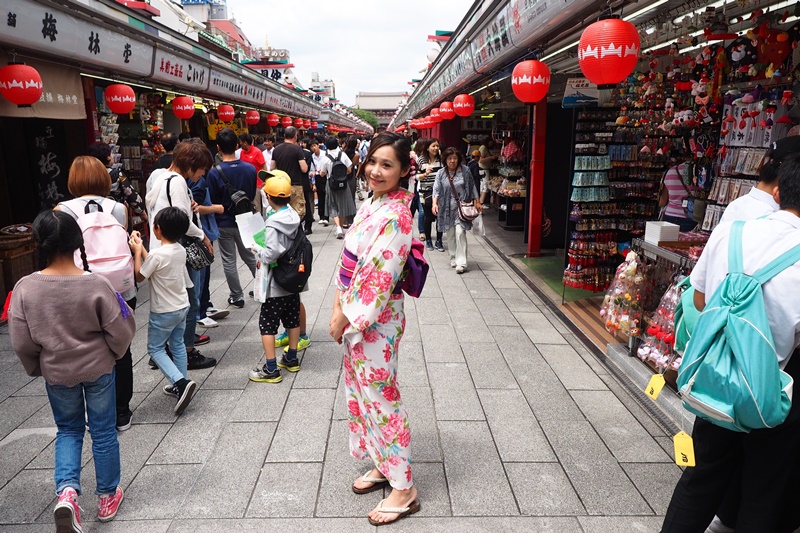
x,y
286,122
464,105
530,81
622,305
658,338
435,116
253,117
446,110
226,113
273,120
120,98
183,107
608,51
20,84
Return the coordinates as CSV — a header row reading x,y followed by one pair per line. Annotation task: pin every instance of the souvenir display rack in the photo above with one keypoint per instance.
x,y
512,191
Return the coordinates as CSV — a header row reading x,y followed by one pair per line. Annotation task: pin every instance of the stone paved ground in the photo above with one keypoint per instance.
x,y
516,426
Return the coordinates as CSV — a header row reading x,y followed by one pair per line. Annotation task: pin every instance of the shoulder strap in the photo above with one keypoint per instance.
x,y
735,264
222,175
89,203
778,265
330,156
453,188
169,196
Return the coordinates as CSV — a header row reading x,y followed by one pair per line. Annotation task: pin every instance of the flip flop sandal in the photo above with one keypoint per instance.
x,y
402,512
377,484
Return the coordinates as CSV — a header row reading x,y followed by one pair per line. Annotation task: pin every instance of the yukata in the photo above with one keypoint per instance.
x,y
380,240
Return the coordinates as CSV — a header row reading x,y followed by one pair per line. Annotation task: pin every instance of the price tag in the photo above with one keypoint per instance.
x,y
684,449
653,388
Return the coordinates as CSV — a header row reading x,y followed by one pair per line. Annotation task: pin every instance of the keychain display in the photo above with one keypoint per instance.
x,y
622,309
658,338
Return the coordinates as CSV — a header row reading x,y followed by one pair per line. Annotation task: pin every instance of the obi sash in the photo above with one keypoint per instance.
x,y
347,265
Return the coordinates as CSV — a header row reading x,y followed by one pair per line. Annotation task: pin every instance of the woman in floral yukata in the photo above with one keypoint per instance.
x,y
368,319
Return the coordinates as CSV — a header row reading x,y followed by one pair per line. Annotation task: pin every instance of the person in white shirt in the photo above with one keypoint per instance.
x,y
269,142
764,460
320,181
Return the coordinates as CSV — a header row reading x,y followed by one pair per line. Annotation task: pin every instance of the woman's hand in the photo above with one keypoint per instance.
x,y
208,245
478,205
338,324
435,208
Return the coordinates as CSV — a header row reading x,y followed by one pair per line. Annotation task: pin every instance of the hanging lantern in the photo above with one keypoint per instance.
x,y
464,105
286,122
252,117
530,81
306,123
183,107
298,123
120,98
433,53
314,125
20,84
435,116
608,51
273,120
226,113
446,110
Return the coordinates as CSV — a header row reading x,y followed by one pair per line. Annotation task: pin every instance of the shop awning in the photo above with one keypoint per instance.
x,y
62,94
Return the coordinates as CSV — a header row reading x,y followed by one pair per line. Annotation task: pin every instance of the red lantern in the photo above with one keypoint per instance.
x,y
20,84
226,113
252,117
446,110
530,81
435,116
463,105
120,98
306,123
314,124
273,120
183,107
608,51
286,122
298,123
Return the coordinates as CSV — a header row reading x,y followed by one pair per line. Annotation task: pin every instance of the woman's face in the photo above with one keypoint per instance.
x,y
433,149
452,162
383,171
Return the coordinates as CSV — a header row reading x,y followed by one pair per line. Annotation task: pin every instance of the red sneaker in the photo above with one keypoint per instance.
x,y
108,506
67,514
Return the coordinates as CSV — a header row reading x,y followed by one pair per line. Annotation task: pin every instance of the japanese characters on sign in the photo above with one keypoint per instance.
x,y
180,71
492,41
279,102
234,87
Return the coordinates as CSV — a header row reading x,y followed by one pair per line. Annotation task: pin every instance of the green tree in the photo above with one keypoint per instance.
x,y
369,116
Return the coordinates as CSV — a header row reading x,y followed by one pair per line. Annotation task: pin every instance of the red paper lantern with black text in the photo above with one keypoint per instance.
x,y
120,98
530,81
20,84
183,107
314,124
273,120
226,113
298,122
446,110
253,117
306,123
435,116
463,105
286,122
608,51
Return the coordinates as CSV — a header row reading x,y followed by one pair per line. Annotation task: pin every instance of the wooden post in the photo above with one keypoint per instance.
x,y
536,182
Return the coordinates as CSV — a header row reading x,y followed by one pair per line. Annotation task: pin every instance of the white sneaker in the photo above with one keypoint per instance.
x,y
207,322
339,232
460,270
325,223
453,263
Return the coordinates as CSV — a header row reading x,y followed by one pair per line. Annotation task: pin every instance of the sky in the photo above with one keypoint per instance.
x,y
362,45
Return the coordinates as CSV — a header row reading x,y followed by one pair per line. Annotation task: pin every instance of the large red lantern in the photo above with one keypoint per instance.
x,y
608,51
273,120
120,98
464,105
183,107
435,116
20,84
314,124
298,123
286,122
530,81
446,110
252,117
306,123
226,113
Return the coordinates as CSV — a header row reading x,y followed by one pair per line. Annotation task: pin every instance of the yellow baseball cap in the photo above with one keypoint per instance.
x,y
476,152
277,183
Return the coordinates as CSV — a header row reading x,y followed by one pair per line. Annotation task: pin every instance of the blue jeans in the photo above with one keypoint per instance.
x,y
193,315
205,294
71,405
165,327
421,217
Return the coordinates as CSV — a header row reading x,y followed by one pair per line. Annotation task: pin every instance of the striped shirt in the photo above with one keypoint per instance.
x,y
426,183
677,191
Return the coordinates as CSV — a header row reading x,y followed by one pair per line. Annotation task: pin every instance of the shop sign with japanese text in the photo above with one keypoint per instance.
x,y
279,102
492,42
180,71
235,88
580,92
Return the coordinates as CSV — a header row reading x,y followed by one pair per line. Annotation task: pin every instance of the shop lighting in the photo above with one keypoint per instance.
x,y
479,89
564,49
118,81
644,10
488,116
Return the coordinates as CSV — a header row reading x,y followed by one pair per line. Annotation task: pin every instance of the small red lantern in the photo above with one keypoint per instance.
x,y
314,124
608,51
273,120
183,107
435,116
446,110
286,122
530,81
120,98
20,84
226,113
252,117
298,123
306,123
464,105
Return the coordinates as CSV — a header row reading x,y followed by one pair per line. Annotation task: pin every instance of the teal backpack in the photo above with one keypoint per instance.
x,y
729,374
686,315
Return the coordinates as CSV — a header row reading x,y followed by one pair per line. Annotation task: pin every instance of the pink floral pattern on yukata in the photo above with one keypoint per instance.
x,y
380,238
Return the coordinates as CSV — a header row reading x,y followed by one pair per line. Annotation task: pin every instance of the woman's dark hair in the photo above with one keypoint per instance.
x,y
101,151
421,148
452,151
402,150
57,233
351,144
172,222
191,156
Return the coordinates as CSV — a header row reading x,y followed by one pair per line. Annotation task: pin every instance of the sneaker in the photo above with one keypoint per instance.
x,y
236,303
109,504
67,514
439,246
171,390
282,339
198,361
429,244
200,340
308,231
339,233
124,421
152,362
186,390
250,294
453,263
292,365
216,314
324,222
207,322
460,270
302,344
261,375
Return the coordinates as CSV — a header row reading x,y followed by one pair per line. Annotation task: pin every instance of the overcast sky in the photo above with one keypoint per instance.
x,y
362,45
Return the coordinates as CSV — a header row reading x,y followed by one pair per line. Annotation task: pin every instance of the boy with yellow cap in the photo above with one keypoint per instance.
x,y
277,305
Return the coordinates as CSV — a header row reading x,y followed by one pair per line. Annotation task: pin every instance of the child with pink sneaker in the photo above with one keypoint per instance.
x,y
70,326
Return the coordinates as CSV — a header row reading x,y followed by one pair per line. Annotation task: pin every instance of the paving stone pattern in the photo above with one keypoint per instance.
x,y
515,427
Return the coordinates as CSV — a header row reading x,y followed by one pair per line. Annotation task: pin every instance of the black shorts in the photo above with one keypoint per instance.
x,y
283,309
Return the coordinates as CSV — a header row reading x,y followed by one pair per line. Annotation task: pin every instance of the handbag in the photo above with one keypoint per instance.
x,y
198,256
467,211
